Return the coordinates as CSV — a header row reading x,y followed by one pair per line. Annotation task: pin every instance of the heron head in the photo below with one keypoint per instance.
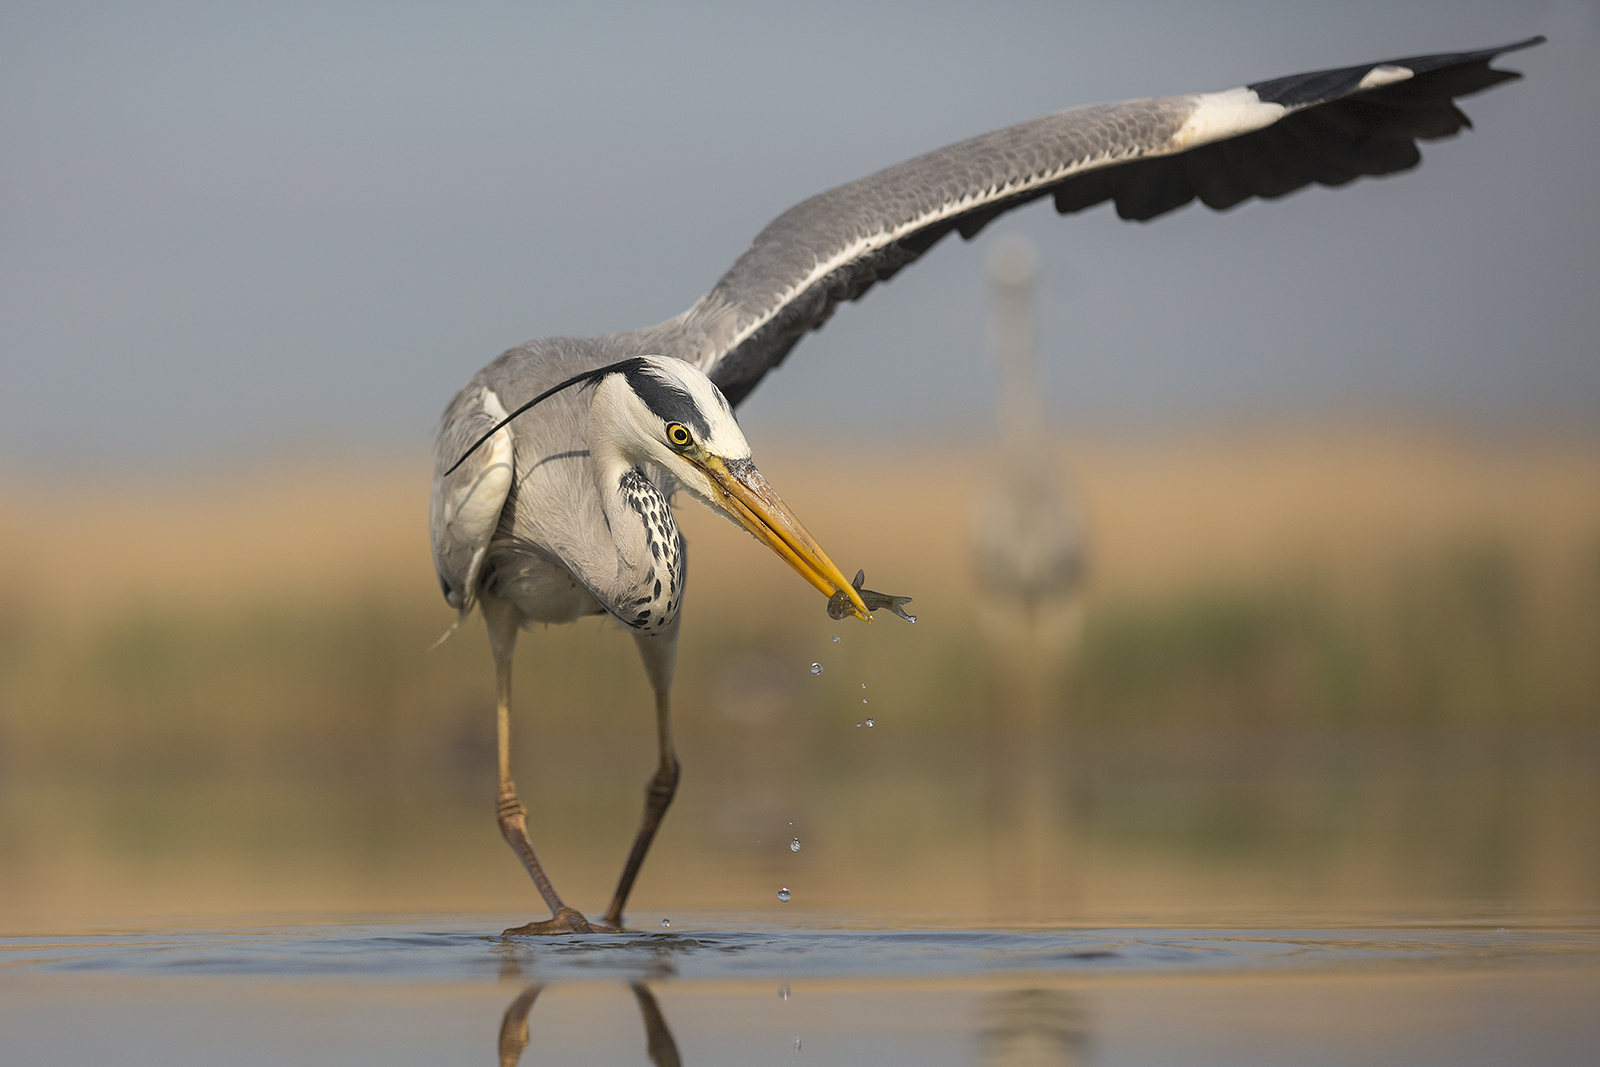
x,y
667,413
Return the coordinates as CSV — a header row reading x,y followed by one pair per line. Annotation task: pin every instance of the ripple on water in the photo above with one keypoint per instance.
x,y
395,953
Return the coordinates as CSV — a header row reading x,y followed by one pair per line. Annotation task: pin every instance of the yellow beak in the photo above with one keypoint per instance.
x,y
747,497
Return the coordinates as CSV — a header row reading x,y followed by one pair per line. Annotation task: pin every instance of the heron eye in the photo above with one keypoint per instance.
x,y
678,434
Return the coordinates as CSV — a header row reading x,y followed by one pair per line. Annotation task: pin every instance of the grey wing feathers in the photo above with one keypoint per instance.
x,y
464,507
836,245
1148,156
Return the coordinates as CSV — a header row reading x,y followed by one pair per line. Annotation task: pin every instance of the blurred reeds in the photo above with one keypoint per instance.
x,y
1350,669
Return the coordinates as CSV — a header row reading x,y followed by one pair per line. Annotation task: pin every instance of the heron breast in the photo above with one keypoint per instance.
x,y
543,591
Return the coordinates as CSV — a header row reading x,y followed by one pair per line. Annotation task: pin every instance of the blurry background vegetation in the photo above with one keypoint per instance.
x,y
1335,672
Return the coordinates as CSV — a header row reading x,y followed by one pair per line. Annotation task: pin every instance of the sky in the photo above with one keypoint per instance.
x,y
235,232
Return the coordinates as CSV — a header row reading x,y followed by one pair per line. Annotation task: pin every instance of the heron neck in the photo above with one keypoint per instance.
x,y
648,582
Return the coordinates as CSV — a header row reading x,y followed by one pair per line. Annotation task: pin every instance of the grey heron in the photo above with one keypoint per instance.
x,y
555,463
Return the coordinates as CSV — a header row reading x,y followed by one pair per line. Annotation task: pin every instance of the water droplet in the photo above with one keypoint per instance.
x,y
869,722
783,991
858,726
797,1042
863,685
666,924
816,668
794,846
863,700
783,894
836,639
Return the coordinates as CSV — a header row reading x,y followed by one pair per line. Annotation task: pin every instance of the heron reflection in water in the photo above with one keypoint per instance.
x,y
659,1046
555,464
1020,1028
1033,1028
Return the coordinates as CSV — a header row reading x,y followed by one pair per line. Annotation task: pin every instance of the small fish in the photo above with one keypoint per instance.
x,y
839,604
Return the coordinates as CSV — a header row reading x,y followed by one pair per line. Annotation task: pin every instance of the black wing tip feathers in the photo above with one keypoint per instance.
x,y
1299,91
1451,59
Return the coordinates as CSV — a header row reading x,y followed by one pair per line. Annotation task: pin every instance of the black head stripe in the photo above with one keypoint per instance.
x,y
627,366
670,401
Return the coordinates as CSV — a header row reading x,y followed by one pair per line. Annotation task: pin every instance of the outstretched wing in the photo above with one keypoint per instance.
x,y
1149,156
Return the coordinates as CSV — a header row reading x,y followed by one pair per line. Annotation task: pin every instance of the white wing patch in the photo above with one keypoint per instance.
x,y
1217,116
1386,74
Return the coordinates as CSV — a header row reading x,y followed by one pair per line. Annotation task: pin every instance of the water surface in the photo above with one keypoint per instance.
x,y
430,991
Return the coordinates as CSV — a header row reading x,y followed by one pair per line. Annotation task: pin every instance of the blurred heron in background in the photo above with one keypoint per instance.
x,y
1028,538
1028,547
554,465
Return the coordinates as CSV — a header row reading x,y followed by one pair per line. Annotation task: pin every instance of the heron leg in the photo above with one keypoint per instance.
x,y
512,815
658,794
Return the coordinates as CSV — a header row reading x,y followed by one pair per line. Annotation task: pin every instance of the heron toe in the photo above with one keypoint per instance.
x,y
565,921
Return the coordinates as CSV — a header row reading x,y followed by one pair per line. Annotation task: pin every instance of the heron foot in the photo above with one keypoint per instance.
x,y
565,921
